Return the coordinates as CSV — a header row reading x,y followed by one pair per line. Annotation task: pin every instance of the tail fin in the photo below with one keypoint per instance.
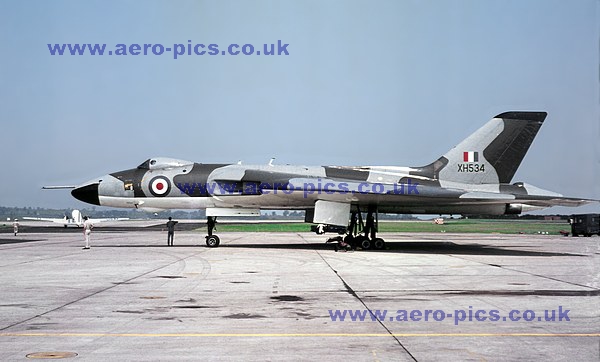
x,y
77,219
492,154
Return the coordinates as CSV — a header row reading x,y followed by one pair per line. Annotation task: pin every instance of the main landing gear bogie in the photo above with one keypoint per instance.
x,y
363,242
364,234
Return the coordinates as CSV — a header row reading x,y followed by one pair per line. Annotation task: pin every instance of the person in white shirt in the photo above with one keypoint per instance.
x,y
16,226
87,231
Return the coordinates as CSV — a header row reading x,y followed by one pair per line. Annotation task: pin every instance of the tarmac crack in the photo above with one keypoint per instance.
x,y
353,293
38,260
528,273
101,290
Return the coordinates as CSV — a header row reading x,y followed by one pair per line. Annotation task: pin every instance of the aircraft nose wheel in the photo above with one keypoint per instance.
x,y
212,241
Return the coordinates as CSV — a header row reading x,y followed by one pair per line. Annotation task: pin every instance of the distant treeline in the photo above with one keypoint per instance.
x,y
19,212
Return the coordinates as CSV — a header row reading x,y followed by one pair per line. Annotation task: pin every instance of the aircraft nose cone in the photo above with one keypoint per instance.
x,y
87,193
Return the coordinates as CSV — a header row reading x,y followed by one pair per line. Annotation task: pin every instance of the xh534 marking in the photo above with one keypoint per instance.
x,y
472,178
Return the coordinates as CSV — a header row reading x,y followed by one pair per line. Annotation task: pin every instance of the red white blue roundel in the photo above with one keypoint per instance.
x,y
160,186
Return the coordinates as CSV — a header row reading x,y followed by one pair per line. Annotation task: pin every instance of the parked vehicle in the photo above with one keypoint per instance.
x,y
585,224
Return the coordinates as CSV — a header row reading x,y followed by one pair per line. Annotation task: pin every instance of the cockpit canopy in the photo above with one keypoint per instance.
x,y
160,163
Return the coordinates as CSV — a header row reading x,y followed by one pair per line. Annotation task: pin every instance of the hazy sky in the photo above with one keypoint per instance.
x,y
365,83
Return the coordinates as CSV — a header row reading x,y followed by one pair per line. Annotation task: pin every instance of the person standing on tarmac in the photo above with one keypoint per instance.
x,y
16,226
87,231
170,231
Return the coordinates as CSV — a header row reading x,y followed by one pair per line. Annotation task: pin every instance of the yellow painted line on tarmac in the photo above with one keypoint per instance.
x,y
295,335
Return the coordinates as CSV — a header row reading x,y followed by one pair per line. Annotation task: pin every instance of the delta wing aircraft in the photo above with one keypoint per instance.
x,y
472,178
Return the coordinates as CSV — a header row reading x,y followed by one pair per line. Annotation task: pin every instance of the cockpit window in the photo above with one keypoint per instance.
x,y
145,165
128,185
159,163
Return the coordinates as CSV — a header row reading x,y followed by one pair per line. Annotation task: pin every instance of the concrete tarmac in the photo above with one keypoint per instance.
x,y
274,296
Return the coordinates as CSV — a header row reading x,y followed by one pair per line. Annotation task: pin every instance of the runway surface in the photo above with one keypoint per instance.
x,y
274,296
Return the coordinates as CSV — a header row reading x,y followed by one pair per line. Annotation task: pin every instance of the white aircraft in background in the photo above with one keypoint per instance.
x,y
76,219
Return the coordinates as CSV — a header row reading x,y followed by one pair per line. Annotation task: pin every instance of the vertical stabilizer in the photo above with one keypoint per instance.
x,y
490,155
77,219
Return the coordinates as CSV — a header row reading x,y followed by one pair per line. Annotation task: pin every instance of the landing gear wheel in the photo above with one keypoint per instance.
x,y
378,244
349,239
212,241
364,242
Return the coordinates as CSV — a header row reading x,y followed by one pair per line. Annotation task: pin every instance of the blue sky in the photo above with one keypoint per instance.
x,y
365,83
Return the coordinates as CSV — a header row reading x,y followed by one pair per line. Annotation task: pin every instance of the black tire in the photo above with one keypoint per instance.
x,y
366,244
357,241
378,244
212,241
349,239
575,235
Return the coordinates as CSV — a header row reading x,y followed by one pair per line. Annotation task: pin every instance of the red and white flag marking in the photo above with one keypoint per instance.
x,y
471,156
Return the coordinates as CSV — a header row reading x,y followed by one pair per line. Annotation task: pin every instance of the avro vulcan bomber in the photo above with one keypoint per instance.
x,y
475,177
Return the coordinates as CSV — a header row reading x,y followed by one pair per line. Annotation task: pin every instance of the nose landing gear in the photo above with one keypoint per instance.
x,y
212,241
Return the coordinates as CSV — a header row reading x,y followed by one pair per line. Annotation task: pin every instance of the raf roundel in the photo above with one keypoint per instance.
x,y
160,186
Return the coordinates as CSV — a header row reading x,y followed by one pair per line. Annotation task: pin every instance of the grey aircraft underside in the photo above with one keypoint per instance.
x,y
472,178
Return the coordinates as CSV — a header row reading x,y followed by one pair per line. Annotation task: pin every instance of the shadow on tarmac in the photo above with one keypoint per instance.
x,y
413,248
